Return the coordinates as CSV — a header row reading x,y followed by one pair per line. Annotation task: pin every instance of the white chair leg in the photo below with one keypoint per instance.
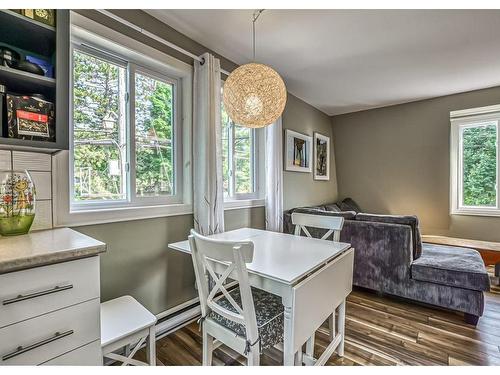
x,y
253,358
208,343
298,358
310,346
341,328
151,346
127,350
331,326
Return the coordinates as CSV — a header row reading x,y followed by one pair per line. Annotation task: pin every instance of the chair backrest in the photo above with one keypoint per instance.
x,y
333,224
235,254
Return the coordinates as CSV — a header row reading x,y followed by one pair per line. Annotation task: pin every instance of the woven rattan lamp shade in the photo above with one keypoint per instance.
x,y
254,95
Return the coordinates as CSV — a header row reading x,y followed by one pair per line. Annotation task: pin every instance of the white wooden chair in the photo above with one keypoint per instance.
x,y
333,225
125,322
246,320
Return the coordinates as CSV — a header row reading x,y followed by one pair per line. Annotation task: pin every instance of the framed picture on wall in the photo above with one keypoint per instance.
x,y
298,152
321,157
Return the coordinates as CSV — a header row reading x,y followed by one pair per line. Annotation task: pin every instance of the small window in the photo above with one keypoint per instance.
x,y
124,150
239,159
479,165
474,159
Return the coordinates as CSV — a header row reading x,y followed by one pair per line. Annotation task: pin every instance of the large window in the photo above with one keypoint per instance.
x,y
124,149
474,160
239,159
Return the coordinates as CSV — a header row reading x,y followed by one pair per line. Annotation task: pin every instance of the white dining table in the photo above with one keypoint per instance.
x,y
282,262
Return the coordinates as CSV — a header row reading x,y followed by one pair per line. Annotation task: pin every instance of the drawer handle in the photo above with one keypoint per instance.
x,y
24,349
25,297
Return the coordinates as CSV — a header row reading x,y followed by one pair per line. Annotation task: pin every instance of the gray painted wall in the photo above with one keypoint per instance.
x,y
300,189
396,160
138,262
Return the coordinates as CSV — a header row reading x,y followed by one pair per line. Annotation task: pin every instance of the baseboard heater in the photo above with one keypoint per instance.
x,y
177,320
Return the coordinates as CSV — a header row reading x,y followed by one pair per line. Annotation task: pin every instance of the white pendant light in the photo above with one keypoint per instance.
x,y
254,94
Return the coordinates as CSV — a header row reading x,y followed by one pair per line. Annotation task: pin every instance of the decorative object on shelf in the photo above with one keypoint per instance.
x,y
47,68
12,59
17,202
298,153
29,67
46,16
9,57
321,157
254,94
31,118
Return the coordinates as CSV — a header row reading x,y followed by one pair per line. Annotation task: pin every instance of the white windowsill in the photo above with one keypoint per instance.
x,y
235,204
118,214
476,212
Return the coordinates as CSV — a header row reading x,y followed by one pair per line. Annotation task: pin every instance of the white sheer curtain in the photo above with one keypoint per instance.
x,y
274,176
208,204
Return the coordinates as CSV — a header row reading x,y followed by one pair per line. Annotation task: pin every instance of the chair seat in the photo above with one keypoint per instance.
x,y
122,317
452,266
268,311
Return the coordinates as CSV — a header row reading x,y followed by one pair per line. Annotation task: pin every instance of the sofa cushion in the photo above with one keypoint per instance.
x,y
334,207
348,204
452,266
348,215
410,220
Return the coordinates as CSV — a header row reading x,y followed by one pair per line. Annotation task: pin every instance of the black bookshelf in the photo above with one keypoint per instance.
x,y
52,43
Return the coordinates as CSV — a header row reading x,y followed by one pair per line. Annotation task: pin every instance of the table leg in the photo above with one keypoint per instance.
x,y
288,352
341,328
331,326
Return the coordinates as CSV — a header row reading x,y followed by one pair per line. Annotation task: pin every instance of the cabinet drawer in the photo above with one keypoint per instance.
x,y
88,355
45,337
29,293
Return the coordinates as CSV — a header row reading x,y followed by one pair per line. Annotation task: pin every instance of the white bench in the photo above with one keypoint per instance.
x,y
125,322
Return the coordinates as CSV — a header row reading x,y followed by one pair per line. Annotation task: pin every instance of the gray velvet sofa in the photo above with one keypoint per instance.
x,y
389,257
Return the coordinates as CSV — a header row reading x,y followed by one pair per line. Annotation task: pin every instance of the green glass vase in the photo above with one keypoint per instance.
x,y
17,202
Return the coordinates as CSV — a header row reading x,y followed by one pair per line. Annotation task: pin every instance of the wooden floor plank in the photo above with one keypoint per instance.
x,y
380,330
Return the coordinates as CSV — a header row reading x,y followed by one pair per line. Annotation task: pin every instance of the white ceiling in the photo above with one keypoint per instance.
x,y
348,60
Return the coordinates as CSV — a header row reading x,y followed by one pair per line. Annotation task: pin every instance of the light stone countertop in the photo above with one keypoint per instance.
x,y
46,247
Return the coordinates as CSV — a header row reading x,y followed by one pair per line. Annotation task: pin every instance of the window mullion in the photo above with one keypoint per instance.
x,y
231,161
131,133
460,168
498,167
253,155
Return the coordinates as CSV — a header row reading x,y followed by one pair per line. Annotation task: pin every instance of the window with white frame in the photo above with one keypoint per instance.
x,y
125,148
240,159
475,161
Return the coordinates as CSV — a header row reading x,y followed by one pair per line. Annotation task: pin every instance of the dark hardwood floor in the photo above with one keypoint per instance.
x,y
379,331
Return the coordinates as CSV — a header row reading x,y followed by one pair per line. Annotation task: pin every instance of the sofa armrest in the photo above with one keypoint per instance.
x,y
410,220
382,253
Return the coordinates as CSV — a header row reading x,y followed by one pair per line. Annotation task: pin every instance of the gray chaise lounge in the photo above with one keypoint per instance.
x,y
389,257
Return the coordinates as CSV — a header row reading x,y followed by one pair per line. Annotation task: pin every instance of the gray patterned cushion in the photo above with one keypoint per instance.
x,y
268,311
454,266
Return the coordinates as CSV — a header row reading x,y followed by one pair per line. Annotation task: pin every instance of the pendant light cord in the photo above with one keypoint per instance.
x,y
256,15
